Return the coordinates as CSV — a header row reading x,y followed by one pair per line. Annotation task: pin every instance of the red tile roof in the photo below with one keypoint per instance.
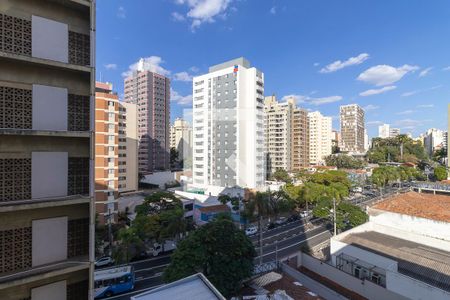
x,y
424,205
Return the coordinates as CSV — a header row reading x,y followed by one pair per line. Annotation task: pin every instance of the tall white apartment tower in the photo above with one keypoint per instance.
x,y
228,126
320,129
384,131
352,128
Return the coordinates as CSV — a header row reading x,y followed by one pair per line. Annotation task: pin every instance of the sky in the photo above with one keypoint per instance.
x,y
390,57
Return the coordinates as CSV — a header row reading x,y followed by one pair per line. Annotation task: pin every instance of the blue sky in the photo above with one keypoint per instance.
x,y
391,57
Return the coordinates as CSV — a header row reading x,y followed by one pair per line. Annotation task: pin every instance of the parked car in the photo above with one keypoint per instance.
x,y
251,230
293,218
281,221
271,225
104,261
304,214
357,189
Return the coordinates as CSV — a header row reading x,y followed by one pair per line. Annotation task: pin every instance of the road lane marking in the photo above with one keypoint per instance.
x,y
151,268
281,249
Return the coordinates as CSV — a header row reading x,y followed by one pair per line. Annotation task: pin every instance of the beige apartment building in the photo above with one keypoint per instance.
x,y
115,151
320,137
286,135
181,139
46,149
352,128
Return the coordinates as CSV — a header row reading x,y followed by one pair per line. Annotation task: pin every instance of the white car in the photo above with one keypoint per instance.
x,y
104,261
304,214
251,230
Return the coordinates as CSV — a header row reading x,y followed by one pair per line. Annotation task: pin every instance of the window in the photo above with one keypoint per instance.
x,y
110,160
110,171
111,138
111,148
110,103
111,115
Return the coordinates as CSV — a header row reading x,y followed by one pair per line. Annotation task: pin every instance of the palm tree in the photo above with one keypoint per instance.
x,y
402,139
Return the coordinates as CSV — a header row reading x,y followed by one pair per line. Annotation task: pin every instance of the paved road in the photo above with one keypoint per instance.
x,y
280,242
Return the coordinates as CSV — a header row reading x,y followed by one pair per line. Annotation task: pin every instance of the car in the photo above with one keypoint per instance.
x,y
293,218
281,221
104,261
304,214
357,189
271,225
251,230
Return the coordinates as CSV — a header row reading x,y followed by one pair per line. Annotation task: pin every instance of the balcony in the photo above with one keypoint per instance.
x,y
16,43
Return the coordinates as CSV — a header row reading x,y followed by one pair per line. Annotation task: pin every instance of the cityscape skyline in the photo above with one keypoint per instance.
x,y
313,75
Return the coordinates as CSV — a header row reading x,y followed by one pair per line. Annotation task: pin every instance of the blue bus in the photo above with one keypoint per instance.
x,y
109,282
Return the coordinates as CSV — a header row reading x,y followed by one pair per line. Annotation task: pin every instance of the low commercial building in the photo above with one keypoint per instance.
x,y
404,249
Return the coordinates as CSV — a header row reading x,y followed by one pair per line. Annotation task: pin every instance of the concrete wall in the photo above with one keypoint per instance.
x,y
50,39
49,108
53,291
49,240
412,288
363,287
421,226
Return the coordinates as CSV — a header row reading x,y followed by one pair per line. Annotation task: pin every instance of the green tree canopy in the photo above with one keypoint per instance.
x,y
281,175
222,252
343,161
347,214
391,149
440,173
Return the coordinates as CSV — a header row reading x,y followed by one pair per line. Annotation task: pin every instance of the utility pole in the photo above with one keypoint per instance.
x,y
110,232
276,252
260,239
334,215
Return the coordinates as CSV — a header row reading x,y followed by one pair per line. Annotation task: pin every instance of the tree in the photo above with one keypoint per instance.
x,y
440,173
347,214
174,157
222,252
129,245
343,161
398,149
281,175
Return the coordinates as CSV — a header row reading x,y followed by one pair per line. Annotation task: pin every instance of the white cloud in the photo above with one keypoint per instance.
x,y
194,69
407,94
110,66
204,11
121,13
151,63
313,101
179,99
409,123
182,76
384,74
425,72
425,106
382,90
405,112
273,10
337,65
178,17
370,107
316,64
374,123
446,68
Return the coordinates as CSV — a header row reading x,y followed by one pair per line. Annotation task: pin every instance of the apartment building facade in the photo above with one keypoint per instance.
x,y
128,148
181,139
384,131
320,137
278,128
228,126
352,128
46,149
286,135
151,93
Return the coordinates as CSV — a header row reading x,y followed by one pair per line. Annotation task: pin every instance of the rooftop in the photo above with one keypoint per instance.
x,y
415,260
214,208
196,286
237,61
423,205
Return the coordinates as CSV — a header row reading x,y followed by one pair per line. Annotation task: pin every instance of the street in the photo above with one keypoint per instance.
x,y
280,242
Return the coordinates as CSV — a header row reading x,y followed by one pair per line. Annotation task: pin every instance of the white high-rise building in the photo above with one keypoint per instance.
x,y
393,132
320,137
352,128
384,131
228,126
434,139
